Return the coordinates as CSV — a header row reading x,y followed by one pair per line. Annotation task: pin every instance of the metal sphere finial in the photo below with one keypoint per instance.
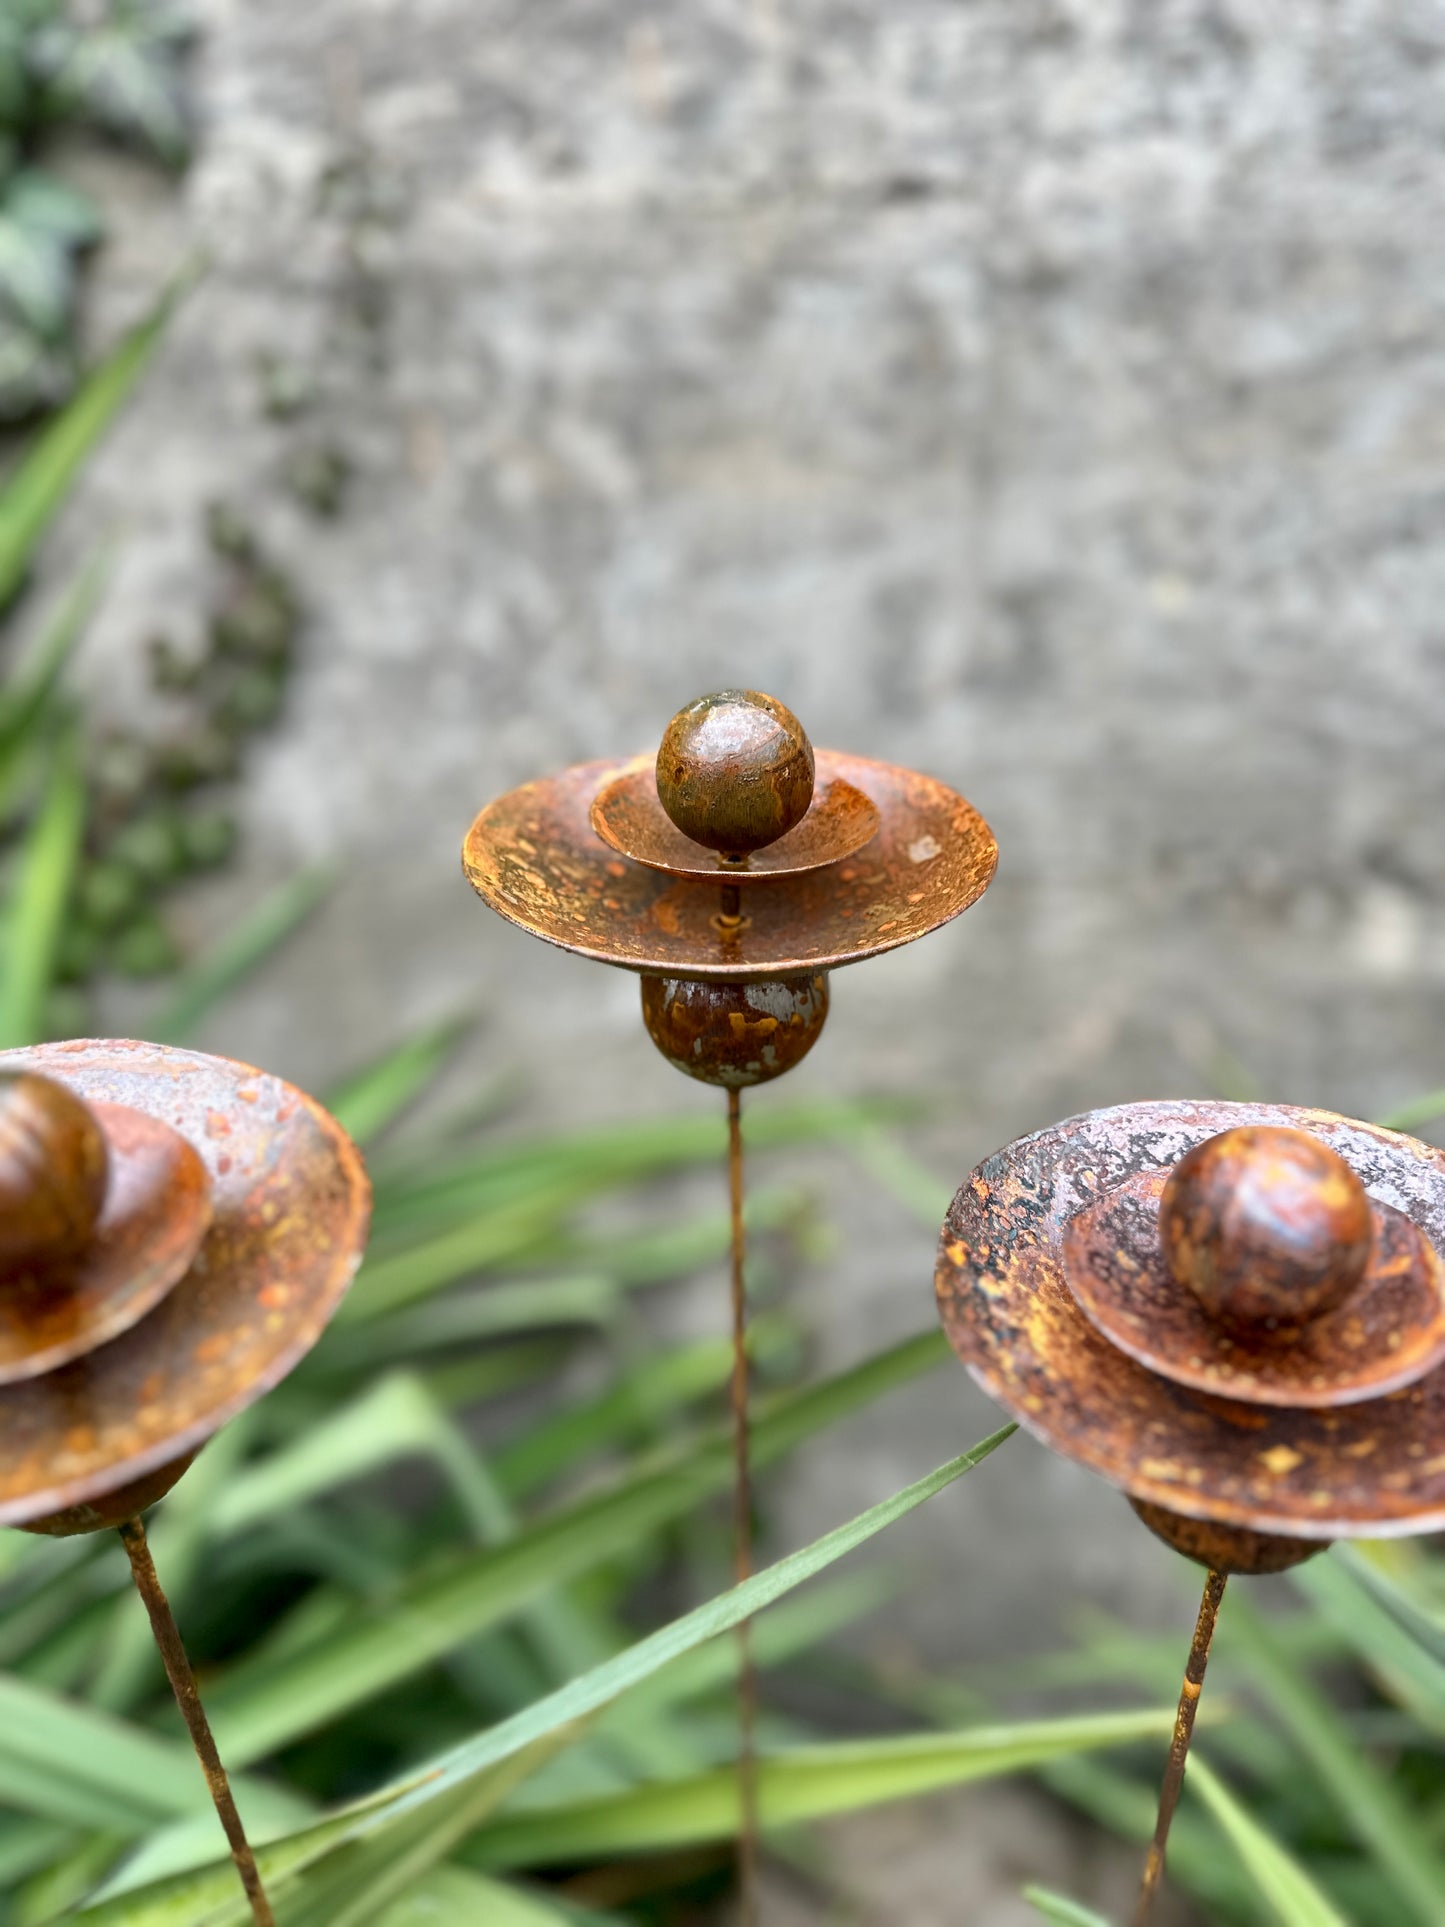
x,y
1267,1226
53,1171
735,771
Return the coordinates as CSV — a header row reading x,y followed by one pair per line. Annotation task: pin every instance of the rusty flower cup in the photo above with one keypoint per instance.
x,y
732,870
1233,1312
175,1232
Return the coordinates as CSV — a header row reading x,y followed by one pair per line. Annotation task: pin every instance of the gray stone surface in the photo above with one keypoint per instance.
x,y
1049,395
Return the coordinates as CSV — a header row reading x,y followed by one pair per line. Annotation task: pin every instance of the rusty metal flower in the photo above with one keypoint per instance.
x,y
175,1232
591,859
1233,1312
732,871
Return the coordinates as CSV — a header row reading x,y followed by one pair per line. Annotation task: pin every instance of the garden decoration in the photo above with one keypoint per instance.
x,y
175,1232
732,870
1234,1312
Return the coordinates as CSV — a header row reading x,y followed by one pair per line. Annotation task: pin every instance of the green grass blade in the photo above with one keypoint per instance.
x,y
422,1190
201,1900
61,1760
1128,1806
42,893
1064,1913
271,1702
201,987
1292,1897
397,1285
659,1387
454,1894
919,1190
1415,1113
808,1783
1370,1806
25,700
40,484
378,1094
1350,1603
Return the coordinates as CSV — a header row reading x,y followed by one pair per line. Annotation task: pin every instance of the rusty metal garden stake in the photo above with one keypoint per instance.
x,y
175,1232
1209,1604
732,870
1233,1312
188,1699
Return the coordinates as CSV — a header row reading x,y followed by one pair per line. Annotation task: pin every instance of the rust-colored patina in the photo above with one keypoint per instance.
x,y
1373,1467
628,815
732,872
152,1214
1108,1279
1227,1549
734,771
534,857
287,1204
1268,1228
54,1170
734,1035
1389,1332
175,1232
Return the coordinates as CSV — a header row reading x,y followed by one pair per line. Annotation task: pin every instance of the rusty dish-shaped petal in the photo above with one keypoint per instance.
x,y
534,857
1376,1468
1390,1332
157,1207
628,817
290,1205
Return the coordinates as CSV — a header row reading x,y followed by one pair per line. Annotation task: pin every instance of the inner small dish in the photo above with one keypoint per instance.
x,y
628,817
1387,1334
156,1213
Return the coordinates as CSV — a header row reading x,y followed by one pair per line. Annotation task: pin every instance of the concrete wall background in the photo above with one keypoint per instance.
x,y
1049,395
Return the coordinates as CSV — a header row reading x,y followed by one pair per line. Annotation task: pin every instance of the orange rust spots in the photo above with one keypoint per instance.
x,y
1266,1226
1295,1433
734,1034
158,1353
800,919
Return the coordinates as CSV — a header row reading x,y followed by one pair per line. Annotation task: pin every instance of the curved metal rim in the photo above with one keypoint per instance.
x,y
755,971
187,1440
119,1309
1180,1117
1263,1391
828,800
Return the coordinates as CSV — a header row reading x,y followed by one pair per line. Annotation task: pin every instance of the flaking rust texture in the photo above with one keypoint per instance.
x,y
630,819
1385,1335
535,858
290,1205
734,1035
1375,1467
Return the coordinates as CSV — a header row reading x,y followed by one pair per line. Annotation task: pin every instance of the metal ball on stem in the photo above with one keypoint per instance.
x,y
733,870
175,1231
1210,1305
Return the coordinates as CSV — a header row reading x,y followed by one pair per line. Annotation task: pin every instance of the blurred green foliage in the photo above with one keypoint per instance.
x,y
98,829
115,67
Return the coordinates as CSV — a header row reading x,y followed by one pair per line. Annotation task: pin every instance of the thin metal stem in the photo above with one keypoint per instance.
x,y
743,1532
188,1698
1179,1749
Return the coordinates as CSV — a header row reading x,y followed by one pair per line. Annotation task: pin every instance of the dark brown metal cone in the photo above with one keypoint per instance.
x,y
1371,1468
290,1206
534,856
